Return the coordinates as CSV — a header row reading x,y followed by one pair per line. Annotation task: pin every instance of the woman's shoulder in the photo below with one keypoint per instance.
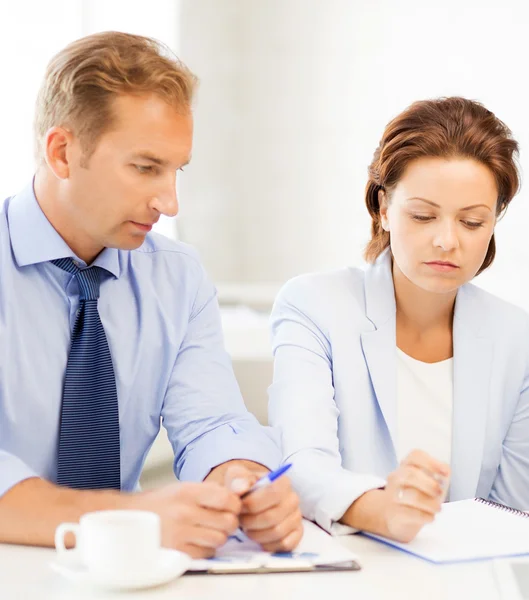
x,y
328,291
498,316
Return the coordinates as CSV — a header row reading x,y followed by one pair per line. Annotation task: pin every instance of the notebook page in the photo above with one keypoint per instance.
x,y
469,530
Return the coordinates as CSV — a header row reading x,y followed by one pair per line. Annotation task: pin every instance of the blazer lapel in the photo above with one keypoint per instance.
x,y
472,371
379,343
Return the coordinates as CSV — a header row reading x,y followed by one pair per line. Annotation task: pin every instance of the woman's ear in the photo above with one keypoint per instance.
x,y
383,210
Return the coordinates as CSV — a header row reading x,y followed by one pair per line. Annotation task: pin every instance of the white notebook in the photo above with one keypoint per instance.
x,y
469,530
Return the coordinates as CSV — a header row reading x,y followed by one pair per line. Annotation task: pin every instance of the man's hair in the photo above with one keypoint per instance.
x,y
444,128
82,80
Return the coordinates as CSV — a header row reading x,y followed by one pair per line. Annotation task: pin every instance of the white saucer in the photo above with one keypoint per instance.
x,y
170,565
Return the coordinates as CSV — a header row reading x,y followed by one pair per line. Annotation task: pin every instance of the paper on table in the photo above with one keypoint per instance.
x,y
315,548
468,530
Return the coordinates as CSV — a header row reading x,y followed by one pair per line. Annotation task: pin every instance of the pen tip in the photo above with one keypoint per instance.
x,y
280,471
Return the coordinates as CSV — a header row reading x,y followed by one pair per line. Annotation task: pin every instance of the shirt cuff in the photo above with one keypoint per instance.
x,y
226,443
12,471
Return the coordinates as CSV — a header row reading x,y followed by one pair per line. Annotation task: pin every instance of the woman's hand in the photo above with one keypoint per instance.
x,y
412,497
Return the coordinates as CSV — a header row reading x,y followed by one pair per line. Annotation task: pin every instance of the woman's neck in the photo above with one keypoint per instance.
x,y
424,320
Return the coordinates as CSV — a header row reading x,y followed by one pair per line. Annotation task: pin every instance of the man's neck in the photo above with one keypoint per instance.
x,y
48,194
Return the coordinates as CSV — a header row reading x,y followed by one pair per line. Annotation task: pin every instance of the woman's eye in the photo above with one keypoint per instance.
x,y
421,218
473,224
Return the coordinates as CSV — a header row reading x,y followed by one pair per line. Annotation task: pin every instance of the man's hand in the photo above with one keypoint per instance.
x,y
270,516
197,518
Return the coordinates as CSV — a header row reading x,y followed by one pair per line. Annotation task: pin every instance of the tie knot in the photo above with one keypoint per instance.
x,y
88,279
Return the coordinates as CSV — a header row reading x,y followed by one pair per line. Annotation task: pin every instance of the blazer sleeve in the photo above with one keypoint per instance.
x,y
511,485
302,406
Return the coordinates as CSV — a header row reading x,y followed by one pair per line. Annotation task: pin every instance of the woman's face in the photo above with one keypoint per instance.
x,y
441,217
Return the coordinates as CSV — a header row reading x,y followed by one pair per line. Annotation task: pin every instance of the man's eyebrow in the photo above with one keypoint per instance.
x,y
148,156
437,205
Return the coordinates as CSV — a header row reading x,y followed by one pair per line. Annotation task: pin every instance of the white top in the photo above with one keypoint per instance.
x,y
424,407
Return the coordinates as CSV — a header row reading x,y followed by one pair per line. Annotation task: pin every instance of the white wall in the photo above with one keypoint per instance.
x,y
30,33
294,98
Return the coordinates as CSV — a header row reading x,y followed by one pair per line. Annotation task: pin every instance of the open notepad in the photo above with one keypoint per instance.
x,y
317,551
470,530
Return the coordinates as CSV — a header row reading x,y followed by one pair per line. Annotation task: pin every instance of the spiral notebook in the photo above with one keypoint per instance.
x,y
468,530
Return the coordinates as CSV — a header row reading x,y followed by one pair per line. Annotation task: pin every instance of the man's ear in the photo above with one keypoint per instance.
x,y
58,140
383,210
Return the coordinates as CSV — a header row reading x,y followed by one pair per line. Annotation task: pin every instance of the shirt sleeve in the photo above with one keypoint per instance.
x,y
203,410
12,471
302,407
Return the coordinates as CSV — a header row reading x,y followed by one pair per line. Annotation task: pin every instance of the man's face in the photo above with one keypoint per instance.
x,y
115,197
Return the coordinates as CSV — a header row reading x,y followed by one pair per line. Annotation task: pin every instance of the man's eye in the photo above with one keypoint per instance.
x,y
144,169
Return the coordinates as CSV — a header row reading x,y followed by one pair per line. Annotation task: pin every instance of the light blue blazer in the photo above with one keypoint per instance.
x,y
334,400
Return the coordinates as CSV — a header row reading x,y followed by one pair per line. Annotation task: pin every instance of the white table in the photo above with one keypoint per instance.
x,y
386,574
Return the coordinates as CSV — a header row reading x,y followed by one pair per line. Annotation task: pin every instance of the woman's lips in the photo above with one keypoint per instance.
x,y
441,266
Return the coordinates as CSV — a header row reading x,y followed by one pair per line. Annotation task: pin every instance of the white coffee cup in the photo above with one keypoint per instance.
x,y
114,543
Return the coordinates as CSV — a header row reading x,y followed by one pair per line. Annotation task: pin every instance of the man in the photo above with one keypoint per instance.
x,y
105,327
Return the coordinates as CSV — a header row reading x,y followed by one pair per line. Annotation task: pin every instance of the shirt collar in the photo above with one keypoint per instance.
x,y
34,239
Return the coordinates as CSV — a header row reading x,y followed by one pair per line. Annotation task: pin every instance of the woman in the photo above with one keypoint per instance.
x,y
403,384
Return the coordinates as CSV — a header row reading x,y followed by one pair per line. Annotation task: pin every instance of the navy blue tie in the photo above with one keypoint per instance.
x,y
89,455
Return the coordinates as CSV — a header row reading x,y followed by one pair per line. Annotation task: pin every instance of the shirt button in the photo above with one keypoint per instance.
x,y
76,263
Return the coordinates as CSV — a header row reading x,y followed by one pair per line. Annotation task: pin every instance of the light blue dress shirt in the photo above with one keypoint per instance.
x,y
162,321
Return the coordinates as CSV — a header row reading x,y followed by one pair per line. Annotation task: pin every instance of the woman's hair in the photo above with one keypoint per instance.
x,y
444,128
82,80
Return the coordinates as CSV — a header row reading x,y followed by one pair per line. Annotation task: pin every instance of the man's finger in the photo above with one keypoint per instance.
x,y
197,551
207,538
274,535
287,544
270,517
267,497
218,497
239,479
224,521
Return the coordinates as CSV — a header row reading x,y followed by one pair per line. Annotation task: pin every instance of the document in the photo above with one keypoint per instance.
x,y
317,551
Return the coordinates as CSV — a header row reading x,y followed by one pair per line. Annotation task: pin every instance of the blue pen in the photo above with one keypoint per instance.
x,y
267,479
